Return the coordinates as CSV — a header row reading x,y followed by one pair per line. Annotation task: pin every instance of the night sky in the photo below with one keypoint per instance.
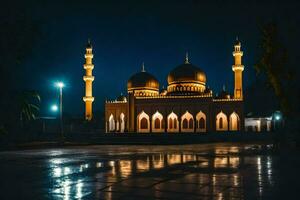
x,y
126,33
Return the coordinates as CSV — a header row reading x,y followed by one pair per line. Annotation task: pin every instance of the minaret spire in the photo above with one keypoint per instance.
x,y
88,79
186,58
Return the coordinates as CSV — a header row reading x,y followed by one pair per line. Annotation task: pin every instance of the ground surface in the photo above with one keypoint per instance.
x,y
204,171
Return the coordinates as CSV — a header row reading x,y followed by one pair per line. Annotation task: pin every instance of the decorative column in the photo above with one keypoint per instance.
x,y
238,69
88,79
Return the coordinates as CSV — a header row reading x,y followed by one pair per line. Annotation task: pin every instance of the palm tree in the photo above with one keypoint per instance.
x,y
29,105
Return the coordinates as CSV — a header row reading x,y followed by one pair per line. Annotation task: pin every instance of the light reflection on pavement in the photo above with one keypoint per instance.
x,y
213,171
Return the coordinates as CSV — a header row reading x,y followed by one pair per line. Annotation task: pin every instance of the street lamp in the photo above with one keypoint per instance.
x,y
60,86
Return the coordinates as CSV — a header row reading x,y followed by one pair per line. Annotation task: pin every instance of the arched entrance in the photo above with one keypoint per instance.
x,y
172,122
143,123
157,122
187,122
111,123
221,122
234,122
200,122
122,122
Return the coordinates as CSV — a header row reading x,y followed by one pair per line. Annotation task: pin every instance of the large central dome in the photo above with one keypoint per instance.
x,y
143,84
186,79
143,80
187,73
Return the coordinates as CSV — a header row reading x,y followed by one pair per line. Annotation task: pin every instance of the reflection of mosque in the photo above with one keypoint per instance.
x,y
215,174
187,105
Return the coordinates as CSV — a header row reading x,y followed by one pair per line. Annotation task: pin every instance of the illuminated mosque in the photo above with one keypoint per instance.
x,y
186,105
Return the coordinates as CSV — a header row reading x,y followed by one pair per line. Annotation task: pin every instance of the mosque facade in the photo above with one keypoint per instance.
x,y
187,105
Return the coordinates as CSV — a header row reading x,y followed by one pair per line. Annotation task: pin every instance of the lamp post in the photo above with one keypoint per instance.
x,y
60,86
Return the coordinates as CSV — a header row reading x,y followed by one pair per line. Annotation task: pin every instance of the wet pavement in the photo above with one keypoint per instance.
x,y
204,171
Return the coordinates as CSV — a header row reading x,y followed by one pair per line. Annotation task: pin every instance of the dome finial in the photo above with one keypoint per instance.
x,y
143,67
186,58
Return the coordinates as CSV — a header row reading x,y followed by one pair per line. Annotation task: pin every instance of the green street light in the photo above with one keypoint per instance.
x,y
54,108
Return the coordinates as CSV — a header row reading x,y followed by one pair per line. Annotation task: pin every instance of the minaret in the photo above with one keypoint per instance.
x,y
238,69
88,79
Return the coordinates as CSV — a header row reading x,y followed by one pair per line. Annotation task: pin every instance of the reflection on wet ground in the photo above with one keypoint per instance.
x,y
215,171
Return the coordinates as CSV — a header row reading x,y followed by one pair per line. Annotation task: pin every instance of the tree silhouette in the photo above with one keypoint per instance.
x,y
28,105
273,64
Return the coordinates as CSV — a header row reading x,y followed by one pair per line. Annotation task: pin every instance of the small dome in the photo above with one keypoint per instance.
x,y
121,98
187,73
223,94
163,92
143,80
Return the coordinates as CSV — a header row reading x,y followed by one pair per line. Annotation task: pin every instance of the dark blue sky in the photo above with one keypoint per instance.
x,y
126,33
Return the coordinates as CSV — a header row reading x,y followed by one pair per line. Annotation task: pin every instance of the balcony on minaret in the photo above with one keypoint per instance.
x,y
88,66
86,99
237,67
88,55
88,78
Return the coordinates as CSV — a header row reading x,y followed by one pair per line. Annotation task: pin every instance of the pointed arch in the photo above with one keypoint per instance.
x,y
143,123
234,122
111,123
122,122
157,122
172,122
201,122
187,122
221,122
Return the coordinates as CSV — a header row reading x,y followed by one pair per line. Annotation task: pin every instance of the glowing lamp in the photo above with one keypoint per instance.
x,y
60,84
54,108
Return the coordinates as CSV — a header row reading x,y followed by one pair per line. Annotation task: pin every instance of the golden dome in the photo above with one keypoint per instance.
x,y
187,73
142,80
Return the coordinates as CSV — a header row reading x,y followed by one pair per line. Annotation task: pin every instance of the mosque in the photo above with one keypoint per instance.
x,y
187,104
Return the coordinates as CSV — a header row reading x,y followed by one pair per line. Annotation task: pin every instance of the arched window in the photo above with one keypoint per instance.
x,y
111,123
221,122
175,123
187,123
202,123
191,123
122,122
157,120
172,122
143,122
234,122
157,123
